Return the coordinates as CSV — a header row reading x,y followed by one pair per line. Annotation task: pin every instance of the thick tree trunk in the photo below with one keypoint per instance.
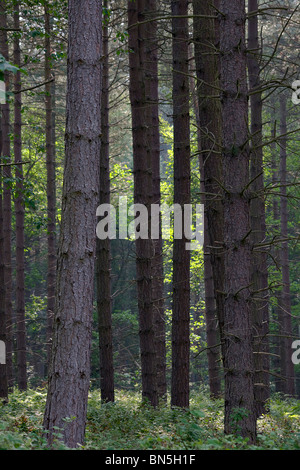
x,y
51,184
237,334
19,210
206,39
181,256
69,375
7,212
142,163
103,268
287,366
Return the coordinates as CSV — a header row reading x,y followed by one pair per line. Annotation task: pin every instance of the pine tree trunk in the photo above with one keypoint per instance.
x,y
212,337
19,210
7,212
275,251
69,375
276,255
259,305
240,415
287,368
3,371
181,256
142,163
103,276
51,185
207,67
157,260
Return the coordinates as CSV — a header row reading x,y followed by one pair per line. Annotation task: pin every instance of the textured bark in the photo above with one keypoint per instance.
x,y
211,323
206,39
7,211
238,356
259,274
142,168
3,373
212,337
154,138
69,374
287,366
181,256
103,276
51,185
19,211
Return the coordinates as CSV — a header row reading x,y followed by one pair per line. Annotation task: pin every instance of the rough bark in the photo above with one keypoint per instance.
x,y
3,373
7,211
69,374
212,336
181,256
240,415
51,183
20,214
154,138
142,168
206,38
103,269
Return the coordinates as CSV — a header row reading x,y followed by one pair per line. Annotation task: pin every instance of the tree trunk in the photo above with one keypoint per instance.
x,y
142,163
238,355
103,246
259,275
181,256
51,189
69,374
206,39
157,260
19,210
3,372
287,367
7,212
276,253
212,337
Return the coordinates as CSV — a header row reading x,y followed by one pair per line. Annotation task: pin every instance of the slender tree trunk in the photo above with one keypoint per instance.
x,y
259,305
7,212
240,415
276,252
157,260
287,368
69,375
181,256
212,337
3,372
51,185
142,162
19,210
206,38
103,246
211,323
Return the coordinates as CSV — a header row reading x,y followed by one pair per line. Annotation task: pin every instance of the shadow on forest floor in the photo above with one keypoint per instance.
x,y
129,424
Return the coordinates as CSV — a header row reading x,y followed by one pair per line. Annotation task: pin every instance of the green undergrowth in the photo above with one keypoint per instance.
x,y
129,424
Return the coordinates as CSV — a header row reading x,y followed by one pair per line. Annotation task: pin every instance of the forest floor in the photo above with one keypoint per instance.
x,y
129,424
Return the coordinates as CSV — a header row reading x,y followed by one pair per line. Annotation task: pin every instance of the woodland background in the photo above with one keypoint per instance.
x,y
33,38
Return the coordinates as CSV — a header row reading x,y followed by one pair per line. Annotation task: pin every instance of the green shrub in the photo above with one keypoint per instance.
x,y
129,424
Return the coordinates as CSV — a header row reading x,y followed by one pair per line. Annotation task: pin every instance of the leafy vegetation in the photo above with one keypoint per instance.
x,y
129,424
